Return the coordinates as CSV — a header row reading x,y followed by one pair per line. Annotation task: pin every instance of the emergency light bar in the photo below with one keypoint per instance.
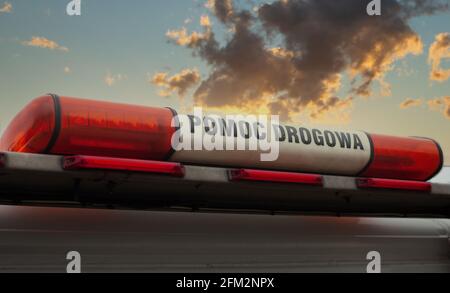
x,y
70,126
102,163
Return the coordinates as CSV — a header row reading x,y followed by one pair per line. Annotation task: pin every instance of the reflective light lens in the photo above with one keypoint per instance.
x,y
273,176
31,130
95,128
71,126
404,158
393,184
104,163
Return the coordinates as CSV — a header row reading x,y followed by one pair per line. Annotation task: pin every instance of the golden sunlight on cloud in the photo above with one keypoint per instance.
x,y
205,21
441,105
6,8
257,107
178,83
301,76
410,102
439,50
374,68
45,43
283,53
331,111
182,38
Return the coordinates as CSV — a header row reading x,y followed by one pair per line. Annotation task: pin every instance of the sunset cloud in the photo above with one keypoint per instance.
x,y
178,83
182,38
6,8
333,107
317,42
205,21
441,105
223,9
439,50
409,103
45,43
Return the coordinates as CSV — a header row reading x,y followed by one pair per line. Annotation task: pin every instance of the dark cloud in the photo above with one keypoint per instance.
x,y
337,35
290,55
223,9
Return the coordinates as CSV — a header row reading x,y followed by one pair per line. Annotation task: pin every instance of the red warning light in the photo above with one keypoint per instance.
x,y
102,163
404,158
393,184
273,176
70,126
32,129
113,130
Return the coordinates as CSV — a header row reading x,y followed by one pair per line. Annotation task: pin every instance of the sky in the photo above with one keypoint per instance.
x,y
315,62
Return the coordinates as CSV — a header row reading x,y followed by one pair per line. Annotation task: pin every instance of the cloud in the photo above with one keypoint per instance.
x,y
404,69
440,49
288,56
223,9
335,107
205,21
409,103
178,83
441,105
182,38
6,8
112,79
45,43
